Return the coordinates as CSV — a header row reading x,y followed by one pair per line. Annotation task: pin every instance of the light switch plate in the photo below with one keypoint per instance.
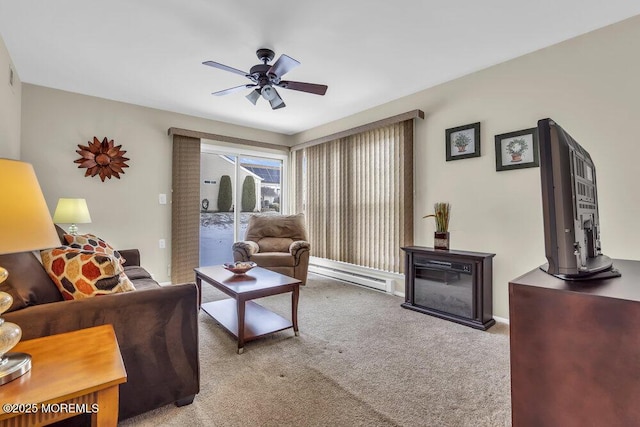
x,y
162,198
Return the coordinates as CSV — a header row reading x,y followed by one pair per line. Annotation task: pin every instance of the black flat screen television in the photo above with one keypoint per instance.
x,y
570,208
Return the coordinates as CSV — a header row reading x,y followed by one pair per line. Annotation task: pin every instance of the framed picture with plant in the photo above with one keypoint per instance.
x,y
517,150
463,142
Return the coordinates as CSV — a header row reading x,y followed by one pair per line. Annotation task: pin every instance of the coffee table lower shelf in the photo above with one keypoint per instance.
x,y
258,321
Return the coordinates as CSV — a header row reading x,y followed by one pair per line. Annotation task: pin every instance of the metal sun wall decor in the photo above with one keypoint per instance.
x,y
102,159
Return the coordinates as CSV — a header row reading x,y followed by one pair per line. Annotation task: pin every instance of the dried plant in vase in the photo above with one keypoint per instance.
x,y
442,213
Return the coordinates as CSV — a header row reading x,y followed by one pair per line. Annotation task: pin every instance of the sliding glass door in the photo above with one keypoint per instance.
x,y
233,186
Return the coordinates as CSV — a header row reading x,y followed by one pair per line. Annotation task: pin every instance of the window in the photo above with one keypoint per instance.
x,y
235,184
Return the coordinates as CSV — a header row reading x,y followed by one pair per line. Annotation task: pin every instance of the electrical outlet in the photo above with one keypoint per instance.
x,y
162,244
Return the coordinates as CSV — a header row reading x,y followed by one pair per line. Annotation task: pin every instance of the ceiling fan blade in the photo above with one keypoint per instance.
x,y
304,87
276,102
232,90
283,65
225,68
253,96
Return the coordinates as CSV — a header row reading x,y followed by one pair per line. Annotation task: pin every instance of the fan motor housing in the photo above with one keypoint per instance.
x,y
259,74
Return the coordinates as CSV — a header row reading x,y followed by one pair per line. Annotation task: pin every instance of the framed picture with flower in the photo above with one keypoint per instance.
x,y
463,142
517,150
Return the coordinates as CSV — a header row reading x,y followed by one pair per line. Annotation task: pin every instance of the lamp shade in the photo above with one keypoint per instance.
x,y
72,211
253,96
25,222
268,93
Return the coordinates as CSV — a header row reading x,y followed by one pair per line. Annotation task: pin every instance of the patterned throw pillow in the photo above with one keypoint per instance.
x,y
92,243
80,274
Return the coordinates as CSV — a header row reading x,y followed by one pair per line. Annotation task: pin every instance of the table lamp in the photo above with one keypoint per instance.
x,y
25,225
72,211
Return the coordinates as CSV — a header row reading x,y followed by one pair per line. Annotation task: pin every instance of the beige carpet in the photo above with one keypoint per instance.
x,y
360,360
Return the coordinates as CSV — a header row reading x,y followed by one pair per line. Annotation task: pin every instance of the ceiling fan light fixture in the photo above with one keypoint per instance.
x,y
253,96
277,103
268,92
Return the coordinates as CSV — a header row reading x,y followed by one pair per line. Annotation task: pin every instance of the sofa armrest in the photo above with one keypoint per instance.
x,y
242,251
157,332
298,248
131,256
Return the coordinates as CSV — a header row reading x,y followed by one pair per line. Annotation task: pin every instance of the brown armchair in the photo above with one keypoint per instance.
x,y
278,243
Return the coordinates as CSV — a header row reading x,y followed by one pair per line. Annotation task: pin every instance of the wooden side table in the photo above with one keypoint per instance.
x,y
72,373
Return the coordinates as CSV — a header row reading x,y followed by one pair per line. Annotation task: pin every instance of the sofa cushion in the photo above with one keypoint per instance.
x,y
135,272
290,226
275,244
92,243
140,277
145,284
28,282
81,274
132,256
274,259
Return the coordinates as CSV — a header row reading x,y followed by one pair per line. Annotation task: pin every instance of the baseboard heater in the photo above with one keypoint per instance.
x,y
350,273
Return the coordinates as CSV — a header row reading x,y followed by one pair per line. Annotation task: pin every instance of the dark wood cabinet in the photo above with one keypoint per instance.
x,y
453,285
575,349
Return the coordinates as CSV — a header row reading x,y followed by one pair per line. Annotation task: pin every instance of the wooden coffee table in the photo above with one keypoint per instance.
x,y
243,318
71,373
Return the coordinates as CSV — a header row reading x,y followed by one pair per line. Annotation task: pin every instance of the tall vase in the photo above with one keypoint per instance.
x,y
441,240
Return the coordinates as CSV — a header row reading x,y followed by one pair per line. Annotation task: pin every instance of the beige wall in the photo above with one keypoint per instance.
x,y
589,85
10,100
125,211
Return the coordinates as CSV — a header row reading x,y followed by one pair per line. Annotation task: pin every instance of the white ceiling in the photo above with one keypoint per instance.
x,y
150,52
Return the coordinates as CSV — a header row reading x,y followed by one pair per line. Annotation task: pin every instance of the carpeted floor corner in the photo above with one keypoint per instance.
x,y
360,360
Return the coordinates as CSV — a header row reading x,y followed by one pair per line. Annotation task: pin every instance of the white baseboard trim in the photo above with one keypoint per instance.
x,y
376,279
501,320
380,285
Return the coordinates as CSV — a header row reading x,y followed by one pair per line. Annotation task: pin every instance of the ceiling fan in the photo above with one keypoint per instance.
x,y
266,77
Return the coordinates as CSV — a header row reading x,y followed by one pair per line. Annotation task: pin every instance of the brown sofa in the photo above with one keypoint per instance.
x,y
156,327
278,243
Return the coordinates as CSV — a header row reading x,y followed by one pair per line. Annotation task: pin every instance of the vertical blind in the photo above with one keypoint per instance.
x,y
185,208
296,187
357,196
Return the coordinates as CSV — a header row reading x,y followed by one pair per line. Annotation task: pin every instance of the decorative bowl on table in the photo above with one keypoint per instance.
x,y
239,267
